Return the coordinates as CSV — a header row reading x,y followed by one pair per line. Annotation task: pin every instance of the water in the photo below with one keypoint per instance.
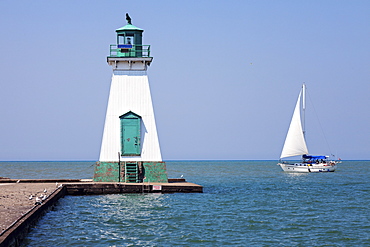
x,y
47,169
245,203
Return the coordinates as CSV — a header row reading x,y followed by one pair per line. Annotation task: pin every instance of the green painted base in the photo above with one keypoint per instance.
x,y
131,172
155,172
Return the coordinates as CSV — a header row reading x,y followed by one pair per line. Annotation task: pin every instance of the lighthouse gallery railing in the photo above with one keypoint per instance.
x,y
129,51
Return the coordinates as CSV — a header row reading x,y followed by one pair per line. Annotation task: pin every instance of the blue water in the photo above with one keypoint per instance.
x,y
245,203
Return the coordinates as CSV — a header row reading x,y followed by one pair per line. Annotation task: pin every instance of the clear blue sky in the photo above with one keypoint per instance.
x,y
224,79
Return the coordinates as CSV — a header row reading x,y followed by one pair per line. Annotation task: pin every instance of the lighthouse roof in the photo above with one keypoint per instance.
x,y
129,27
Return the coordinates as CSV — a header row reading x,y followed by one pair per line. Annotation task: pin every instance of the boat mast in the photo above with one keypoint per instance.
x,y
304,108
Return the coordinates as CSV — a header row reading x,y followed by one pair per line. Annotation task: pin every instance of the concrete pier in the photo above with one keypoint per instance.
x,y
19,211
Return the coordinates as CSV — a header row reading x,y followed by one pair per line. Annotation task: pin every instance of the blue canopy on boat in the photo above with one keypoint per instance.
x,y
312,157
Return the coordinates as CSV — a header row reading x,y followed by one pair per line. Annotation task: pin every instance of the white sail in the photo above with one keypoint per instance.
x,y
295,143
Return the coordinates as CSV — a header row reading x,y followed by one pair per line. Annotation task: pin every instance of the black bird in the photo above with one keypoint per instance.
x,y
128,19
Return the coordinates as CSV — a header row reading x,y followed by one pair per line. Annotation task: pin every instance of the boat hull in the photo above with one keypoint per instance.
x,y
304,167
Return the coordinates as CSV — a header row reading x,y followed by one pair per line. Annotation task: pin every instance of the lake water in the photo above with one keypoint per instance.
x,y
245,203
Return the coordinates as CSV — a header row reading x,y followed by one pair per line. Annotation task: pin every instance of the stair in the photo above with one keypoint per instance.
x,y
131,172
146,187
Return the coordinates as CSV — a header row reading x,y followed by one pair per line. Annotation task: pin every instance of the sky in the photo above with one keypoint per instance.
x,y
224,79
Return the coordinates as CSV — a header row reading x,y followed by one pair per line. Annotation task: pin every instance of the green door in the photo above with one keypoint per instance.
x,y
130,134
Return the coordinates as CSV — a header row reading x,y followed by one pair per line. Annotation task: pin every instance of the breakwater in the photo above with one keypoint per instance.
x,y
14,199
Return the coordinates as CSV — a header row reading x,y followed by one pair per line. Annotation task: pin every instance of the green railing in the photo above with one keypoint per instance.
x,y
129,51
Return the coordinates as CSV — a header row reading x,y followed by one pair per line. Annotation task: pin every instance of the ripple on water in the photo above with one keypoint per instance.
x,y
244,204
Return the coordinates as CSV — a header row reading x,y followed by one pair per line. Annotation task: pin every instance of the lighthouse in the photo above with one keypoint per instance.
x,y
130,150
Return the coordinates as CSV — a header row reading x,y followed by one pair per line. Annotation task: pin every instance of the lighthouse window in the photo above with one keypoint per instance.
x,y
130,134
121,39
129,40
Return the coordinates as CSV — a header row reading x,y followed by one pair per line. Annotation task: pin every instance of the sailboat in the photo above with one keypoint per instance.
x,y
295,145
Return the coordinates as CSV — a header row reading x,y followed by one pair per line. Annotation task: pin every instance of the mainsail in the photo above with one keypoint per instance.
x,y
295,143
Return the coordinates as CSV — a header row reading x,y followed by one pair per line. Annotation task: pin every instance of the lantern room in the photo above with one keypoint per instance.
x,y
129,42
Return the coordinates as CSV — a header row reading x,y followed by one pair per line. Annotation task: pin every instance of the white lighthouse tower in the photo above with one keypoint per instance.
x,y
130,150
